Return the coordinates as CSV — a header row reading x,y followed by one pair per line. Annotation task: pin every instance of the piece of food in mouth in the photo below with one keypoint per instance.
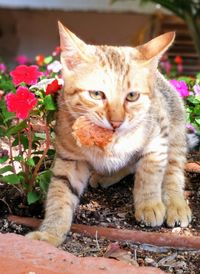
x,y
89,134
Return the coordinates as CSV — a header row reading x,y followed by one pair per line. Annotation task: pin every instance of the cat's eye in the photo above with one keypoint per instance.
x,y
132,96
97,95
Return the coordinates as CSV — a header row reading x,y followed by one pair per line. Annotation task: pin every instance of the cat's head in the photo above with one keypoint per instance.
x,y
112,86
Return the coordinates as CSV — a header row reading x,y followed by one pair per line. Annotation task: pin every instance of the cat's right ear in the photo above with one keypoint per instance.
x,y
75,52
152,51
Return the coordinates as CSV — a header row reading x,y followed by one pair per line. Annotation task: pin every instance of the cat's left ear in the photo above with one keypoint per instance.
x,y
74,51
155,48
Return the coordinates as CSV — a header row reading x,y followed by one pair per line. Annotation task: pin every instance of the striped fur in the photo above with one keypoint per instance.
x,y
149,140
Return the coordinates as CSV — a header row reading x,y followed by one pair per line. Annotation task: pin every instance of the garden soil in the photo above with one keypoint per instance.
x,y
113,208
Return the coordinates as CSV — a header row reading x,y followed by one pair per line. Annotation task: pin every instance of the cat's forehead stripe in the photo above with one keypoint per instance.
x,y
113,59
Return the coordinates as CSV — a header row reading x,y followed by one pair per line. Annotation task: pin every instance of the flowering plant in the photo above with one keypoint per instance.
x,y
189,90
187,87
27,107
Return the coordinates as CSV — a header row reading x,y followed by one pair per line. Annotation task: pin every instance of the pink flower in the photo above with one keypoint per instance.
x,y
191,128
21,102
2,68
196,89
180,68
26,74
166,66
22,59
181,87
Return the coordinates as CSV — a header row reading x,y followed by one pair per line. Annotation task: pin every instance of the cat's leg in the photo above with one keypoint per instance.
x,y
106,181
147,192
178,212
68,181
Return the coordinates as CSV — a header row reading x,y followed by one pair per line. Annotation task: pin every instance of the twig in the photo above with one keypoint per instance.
x,y
47,142
9,209
135,254
96,239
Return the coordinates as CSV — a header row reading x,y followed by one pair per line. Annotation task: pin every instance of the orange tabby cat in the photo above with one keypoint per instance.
x,y
118,88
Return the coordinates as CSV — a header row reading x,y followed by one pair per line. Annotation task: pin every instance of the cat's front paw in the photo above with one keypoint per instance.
x,y
151,213
178,213
45,236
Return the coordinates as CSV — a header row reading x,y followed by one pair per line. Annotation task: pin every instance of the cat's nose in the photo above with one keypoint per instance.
x,y
116,124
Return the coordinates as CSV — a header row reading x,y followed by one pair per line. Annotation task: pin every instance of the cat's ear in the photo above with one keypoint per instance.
x,y
74,51
156,47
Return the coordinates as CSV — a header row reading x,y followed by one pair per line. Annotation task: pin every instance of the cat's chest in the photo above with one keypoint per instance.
x,y
116,155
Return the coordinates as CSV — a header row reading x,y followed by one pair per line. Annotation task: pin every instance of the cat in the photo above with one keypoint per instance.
x,y
118,88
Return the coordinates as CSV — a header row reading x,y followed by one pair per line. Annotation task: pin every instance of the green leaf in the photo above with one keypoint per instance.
x,y
12,179
196,110
3,159
6,169
6,114
198,76
30,162
184,78
197,120
193,100
33,197
49,103
40,136
51,152
15,129
48,59
44,180
18,158
1,131
23,140
6,84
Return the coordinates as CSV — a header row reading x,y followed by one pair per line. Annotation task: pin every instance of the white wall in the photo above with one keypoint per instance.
x,y
83,5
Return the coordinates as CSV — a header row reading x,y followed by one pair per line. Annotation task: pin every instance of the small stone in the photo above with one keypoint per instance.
x,y
150,261
176,230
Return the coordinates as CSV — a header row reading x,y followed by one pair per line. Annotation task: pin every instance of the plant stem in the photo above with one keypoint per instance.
x,y
11,155
21,152
30,140
47,145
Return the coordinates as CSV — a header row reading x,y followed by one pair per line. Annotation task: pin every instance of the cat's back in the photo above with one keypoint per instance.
x,y
173,102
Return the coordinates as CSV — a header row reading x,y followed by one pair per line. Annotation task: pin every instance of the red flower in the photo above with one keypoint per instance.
x,y
53,87
21,102
26,74
178,60
40,60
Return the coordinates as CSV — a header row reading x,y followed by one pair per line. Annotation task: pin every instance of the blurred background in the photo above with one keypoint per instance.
x,y
30,27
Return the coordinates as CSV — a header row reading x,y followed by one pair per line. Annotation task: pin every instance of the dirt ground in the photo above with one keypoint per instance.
x,y
113,208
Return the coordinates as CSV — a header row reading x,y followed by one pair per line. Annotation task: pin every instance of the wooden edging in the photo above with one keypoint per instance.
x,y
141,237
192,167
